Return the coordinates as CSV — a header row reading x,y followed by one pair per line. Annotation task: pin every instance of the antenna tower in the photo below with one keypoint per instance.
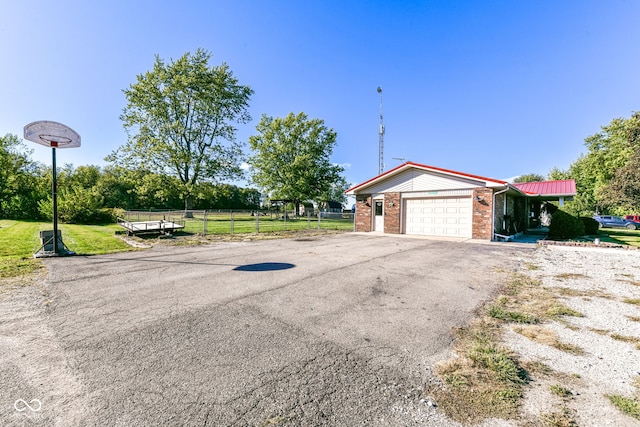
x,y
380,138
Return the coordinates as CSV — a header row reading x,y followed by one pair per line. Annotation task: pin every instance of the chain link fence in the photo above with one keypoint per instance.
x,y
207,222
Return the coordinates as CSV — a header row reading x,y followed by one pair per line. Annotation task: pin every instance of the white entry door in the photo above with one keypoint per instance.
x,y
378,222
447,216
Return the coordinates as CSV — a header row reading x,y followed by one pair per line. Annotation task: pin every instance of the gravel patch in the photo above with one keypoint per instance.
x,y
595,282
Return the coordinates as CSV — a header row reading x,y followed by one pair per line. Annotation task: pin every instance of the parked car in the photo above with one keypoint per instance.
x,y
634,218
611,221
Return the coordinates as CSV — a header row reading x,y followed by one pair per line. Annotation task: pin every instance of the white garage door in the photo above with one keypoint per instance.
x,y
447,216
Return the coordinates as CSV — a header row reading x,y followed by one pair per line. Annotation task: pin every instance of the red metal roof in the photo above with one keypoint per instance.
x,y
565,187
427,167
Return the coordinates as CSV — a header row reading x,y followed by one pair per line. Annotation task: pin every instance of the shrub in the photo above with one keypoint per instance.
x,y
565,226
79,206
106,216
111,214
591,226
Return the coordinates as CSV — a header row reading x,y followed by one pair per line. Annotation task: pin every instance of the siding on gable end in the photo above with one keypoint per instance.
x,y
416,180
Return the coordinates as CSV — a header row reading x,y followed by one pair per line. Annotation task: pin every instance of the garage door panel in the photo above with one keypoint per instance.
x,y
451,216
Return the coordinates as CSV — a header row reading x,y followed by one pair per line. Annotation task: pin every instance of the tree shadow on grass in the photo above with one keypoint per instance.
x,y
620,236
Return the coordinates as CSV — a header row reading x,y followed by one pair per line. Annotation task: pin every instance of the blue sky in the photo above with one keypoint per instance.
x,y
493,88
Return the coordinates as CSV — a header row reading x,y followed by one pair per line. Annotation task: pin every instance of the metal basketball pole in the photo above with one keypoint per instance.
x,y
54,192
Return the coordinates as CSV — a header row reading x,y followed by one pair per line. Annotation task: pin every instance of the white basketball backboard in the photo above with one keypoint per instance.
x,y
51,134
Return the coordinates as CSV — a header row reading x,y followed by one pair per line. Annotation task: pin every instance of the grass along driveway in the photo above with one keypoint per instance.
x,y
19,240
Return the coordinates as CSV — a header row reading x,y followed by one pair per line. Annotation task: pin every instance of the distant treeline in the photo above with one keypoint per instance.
x,y
90,194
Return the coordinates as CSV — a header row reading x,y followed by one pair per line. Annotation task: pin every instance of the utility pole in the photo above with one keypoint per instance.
x,y
380,138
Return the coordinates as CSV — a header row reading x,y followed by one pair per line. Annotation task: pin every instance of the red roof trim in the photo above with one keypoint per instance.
x,y
425,167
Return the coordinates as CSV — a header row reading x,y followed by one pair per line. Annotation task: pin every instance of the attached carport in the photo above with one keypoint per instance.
x,y
541,192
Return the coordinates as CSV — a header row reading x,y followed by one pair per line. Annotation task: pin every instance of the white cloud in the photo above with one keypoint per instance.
x,y
510,180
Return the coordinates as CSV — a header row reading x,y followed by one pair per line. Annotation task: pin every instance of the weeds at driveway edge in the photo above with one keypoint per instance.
x,y
486,379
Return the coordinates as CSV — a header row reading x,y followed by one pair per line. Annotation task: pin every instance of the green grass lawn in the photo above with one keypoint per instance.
x,y
620,236
243,222
19,240
248,224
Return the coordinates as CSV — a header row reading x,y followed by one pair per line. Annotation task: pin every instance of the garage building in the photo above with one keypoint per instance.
x,y
425,200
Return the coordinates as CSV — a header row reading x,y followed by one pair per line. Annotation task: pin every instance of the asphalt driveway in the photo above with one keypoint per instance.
x,y
333,330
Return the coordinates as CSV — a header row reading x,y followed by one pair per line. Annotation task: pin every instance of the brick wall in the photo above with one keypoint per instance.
x,y
482,210
363,213
392,213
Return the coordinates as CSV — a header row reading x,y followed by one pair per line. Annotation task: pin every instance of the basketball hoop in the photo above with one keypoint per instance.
x,y
54,135
51,134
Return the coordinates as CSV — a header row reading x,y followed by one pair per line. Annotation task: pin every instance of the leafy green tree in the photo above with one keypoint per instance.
x,y
622,194
83,176
79,199
584,202
291,158
226,196
20,186
555,174
157,191
250,197
336,192
529,177
608,153
180,119
79,205
117,185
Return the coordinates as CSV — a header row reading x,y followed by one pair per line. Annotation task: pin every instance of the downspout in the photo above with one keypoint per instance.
x,y
493,211
504,213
